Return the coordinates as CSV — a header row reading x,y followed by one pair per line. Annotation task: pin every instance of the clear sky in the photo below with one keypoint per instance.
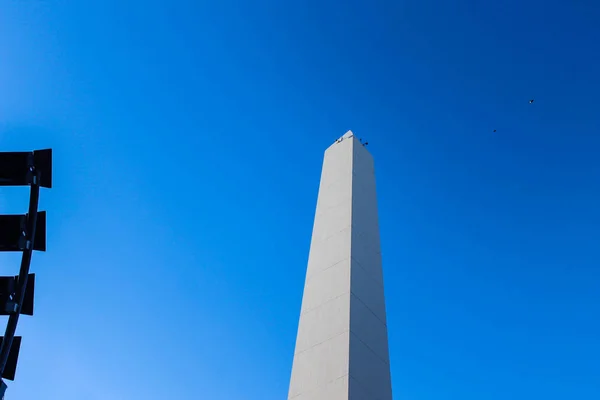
x,y
188,139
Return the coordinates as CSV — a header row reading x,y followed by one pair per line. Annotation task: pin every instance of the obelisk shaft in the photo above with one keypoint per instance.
x,y
342,346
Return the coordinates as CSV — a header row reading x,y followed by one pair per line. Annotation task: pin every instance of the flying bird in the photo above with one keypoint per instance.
x,y
530,101
494,130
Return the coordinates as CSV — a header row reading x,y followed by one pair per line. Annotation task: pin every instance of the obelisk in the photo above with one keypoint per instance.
x,y
342,343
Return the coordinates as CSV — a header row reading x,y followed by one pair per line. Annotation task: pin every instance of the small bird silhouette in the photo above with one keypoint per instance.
x,y
494,130
530,101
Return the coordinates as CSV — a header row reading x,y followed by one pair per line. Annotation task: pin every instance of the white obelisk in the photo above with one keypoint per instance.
x,y
342,344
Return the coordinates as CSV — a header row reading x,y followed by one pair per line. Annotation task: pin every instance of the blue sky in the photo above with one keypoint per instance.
x,y
188,139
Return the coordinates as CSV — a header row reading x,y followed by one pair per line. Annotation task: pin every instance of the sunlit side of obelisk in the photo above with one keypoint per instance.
x,y
342,345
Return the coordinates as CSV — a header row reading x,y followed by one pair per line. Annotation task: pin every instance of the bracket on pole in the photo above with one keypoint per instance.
x,y
16,168
14,235
8,295
13,356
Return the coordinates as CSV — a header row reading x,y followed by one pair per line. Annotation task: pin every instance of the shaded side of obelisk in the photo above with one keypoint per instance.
x,y
342,346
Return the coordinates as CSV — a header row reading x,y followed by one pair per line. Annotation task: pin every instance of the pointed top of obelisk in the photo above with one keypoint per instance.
x,y
347,135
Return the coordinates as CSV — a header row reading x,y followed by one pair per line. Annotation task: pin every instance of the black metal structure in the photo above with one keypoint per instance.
x,y
24,233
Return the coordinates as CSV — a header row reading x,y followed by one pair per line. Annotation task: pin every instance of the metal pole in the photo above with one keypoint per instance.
x,y
31,224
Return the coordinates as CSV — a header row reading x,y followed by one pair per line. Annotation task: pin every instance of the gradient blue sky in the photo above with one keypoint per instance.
x,y
188,140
